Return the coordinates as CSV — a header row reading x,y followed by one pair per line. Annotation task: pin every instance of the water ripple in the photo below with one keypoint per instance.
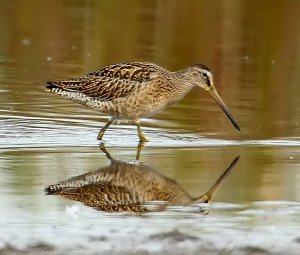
x,y
20,131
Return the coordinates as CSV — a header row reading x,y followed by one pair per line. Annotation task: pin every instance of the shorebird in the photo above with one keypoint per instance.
x,y
128,187
134,90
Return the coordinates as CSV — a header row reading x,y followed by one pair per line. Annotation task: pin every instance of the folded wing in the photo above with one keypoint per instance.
x,y
110,82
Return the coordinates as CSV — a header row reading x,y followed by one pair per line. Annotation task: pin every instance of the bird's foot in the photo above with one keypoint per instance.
x,y
143,138
100,135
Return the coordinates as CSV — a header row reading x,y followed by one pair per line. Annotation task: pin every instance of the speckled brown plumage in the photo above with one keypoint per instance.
x,y
128,187
134,90
112,82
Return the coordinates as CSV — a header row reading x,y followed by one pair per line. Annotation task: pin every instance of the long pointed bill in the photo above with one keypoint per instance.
x,y
225,109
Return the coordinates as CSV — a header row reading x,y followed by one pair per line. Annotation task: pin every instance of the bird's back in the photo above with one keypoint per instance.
x,y
127,90
110,82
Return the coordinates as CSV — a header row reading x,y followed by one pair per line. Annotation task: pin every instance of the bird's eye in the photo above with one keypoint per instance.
x,y
204,75
207,80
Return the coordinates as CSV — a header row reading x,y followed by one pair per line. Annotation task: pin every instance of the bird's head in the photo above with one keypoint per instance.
x,y
203,78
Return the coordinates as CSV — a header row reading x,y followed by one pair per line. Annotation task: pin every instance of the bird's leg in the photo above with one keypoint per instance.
x,y
139,150
142,137
102,131
103,149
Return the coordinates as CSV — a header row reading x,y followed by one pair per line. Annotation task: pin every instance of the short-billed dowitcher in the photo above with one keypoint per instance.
x,y
123,186
133,90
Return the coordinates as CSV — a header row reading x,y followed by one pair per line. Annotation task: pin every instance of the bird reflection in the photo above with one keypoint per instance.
x,y
129,187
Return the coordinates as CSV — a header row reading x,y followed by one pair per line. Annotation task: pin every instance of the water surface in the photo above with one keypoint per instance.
x,y
253,51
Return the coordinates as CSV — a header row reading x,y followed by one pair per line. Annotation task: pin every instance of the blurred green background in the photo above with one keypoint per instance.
x,y
251,46
253,49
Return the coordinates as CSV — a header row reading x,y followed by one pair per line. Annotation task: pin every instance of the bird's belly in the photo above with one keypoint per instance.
x,y
127,108
138,108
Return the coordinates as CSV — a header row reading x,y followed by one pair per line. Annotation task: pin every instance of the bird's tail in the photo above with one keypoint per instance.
x,y
54,88
69,92
53,189
50,85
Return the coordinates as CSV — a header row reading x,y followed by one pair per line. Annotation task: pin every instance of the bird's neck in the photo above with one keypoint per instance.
x,y
181,84
184,81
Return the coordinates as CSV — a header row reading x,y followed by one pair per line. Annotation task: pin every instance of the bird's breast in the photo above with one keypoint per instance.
x,y
141,105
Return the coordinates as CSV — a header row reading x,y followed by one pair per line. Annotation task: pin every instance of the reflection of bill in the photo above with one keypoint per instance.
x,y
129,187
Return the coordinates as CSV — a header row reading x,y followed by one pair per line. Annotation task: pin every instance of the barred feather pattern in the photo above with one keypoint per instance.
x,y
130,90
111,82
123,186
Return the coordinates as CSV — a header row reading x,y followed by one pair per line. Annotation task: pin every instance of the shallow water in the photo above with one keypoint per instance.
x,y
255,57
